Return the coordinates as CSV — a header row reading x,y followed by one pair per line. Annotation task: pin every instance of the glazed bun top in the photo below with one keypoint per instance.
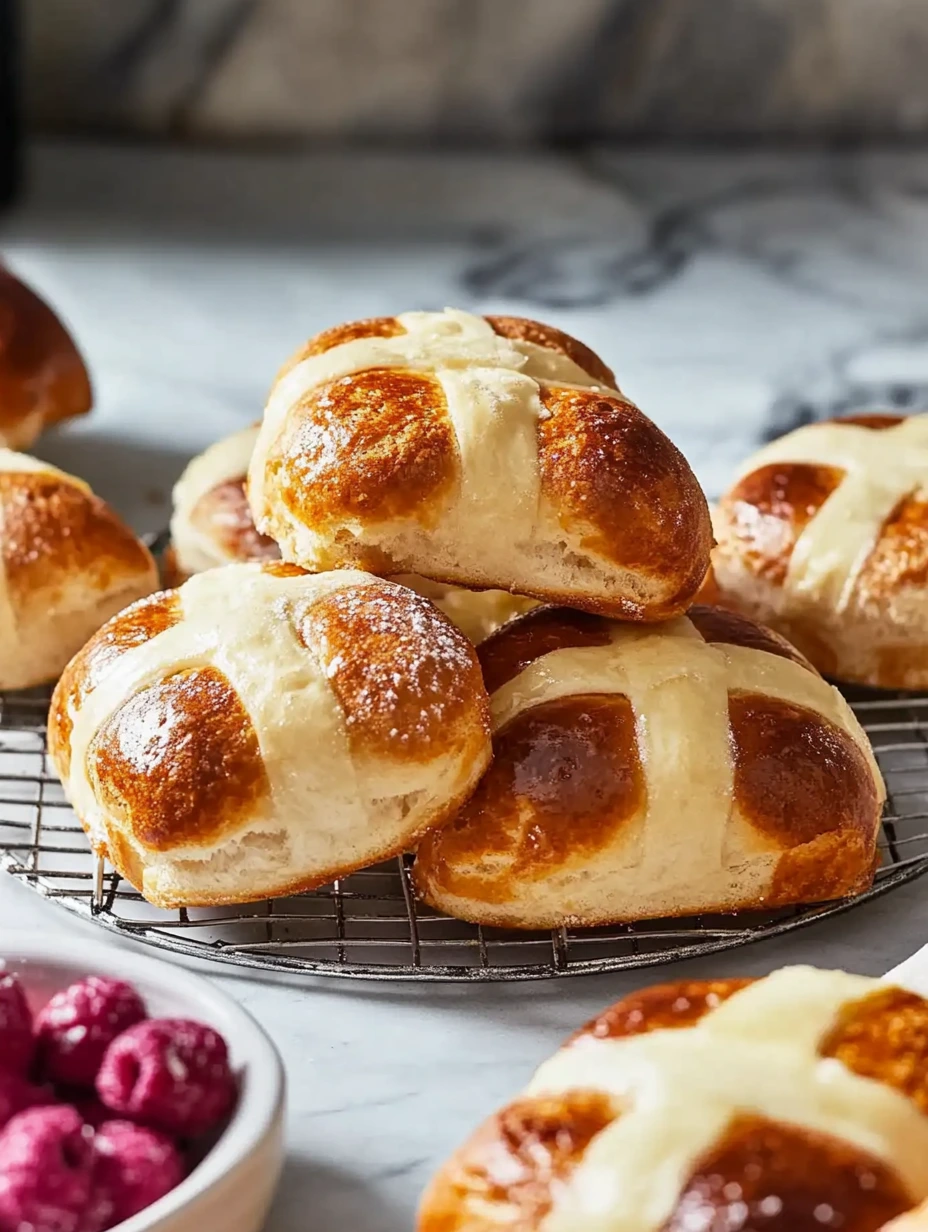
x,y
42,376
262,730
647,771
791,1103
834,510
490,452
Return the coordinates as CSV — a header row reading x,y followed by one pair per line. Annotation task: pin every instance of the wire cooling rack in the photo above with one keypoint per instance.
x,y
369,924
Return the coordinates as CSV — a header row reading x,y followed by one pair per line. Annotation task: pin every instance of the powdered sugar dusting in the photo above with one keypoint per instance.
x,y
404,675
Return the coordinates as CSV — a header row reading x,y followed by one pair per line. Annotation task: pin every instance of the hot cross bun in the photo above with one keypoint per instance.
x,y
825,538
486,452
261,731
646,771
794,1103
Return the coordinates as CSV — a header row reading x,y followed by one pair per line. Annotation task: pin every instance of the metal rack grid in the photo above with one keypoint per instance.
x,y
369,924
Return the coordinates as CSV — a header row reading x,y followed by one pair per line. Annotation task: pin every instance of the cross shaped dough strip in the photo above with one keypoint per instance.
x,y
491,386
881,467
224,625
678,686
680,1088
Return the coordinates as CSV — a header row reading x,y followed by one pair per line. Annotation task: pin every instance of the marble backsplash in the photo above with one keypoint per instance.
x,y
500,70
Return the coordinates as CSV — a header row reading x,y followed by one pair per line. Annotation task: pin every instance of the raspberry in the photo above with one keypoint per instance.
x,y
16,1094
77,1026
16,1043
132,1168
45,1171
169,1073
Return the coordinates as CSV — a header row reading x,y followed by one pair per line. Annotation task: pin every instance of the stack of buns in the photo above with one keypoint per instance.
x,y
791,1103
306,698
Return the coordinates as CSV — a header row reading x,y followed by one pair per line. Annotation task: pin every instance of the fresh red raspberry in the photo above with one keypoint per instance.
x,y
77,1026
45,1171
16,1094
16,1043
169,1073
132,1168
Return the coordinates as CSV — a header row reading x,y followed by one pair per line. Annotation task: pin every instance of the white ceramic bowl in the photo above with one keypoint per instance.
x,y
232,1187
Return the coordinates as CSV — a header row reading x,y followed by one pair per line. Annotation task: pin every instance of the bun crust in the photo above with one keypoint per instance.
x,y
404,444
699,766
825,538
42,376
753,1104
377,447
592,446
261,731
67,563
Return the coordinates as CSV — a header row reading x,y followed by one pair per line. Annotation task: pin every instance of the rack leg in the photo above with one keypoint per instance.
x,y
96,903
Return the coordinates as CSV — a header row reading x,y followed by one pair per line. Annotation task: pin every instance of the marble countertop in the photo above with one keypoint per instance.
x,y
735,296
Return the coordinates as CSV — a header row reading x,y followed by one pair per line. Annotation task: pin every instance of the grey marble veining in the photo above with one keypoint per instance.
x,y
488,70
734,296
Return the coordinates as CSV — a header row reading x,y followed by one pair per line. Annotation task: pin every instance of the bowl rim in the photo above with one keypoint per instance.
x,y
261,1100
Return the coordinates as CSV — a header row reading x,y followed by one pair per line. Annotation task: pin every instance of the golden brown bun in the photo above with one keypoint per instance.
x,y
211,522
261,731
787,1104
212,525
42,376
701,765
493,453
825,538
67,564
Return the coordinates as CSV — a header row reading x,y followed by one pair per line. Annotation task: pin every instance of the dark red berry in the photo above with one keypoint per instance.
x,y
169,1073
77,1026
45,1171
132,1168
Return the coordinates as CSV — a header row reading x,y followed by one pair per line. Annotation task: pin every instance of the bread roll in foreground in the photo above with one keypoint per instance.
x,y
42,376
212,525
485,452
825,538
67,564
639,772
261,731
794,1103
